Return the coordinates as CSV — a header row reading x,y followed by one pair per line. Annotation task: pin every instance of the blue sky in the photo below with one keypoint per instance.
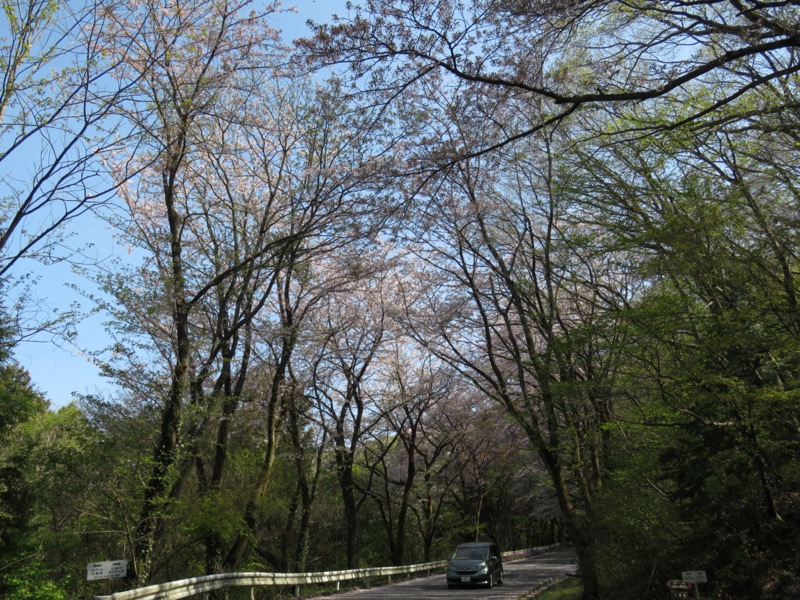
x,y
59,369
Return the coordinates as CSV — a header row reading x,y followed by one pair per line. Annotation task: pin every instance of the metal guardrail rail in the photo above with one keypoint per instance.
x,y
186,588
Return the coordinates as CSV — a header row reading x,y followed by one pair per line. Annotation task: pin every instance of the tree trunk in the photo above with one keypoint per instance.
x,y
345,472
579,528
165,455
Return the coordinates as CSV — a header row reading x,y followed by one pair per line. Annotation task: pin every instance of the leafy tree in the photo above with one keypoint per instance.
x,y
706,218
48,471
55,102
19,401
19,404
33,581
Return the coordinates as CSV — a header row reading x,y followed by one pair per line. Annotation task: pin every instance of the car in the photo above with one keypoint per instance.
x,y
475,563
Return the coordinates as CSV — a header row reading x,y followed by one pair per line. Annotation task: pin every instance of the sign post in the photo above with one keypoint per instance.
x,y
695,577
109,569
679,590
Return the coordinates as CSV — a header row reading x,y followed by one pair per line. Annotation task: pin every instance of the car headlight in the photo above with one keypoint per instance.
x,y
483,568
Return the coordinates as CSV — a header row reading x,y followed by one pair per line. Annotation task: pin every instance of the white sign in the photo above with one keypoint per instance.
x,y
694,576
109,569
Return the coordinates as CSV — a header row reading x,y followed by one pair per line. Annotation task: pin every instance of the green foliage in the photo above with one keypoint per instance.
x,y
638,529
703,455
735,474
47,472
34,581
19,401
220,513
569,589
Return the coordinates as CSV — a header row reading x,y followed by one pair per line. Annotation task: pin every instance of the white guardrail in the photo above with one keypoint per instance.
x,y
186,588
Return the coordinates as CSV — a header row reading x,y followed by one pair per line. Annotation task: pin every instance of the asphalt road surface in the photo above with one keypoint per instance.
x,y
520,576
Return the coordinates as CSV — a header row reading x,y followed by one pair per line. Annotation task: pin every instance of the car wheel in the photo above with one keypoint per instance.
x,y
500,579
489,581
450,586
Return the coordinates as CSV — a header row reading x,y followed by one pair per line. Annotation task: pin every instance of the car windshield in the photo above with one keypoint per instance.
x,y
471,552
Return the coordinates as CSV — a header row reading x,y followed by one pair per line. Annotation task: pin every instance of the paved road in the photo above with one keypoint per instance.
x,y
520,577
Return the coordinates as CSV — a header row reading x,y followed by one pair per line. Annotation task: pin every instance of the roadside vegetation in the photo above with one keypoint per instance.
x,y
568,589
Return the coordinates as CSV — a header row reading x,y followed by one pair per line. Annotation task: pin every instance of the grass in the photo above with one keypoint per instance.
x,y
569,589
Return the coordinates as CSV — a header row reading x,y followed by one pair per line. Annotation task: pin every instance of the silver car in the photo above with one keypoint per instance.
x,y
475,563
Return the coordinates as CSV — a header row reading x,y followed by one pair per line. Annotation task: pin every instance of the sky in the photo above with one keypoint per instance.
x,y
59,369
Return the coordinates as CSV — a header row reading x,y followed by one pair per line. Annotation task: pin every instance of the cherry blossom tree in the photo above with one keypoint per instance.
x,y
244,175
441,448
351,333
516,296
309,289
309,276
413,385
438,462
570,55
191,68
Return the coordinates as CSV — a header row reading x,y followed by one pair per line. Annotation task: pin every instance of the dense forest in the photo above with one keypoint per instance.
x,y
440,271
